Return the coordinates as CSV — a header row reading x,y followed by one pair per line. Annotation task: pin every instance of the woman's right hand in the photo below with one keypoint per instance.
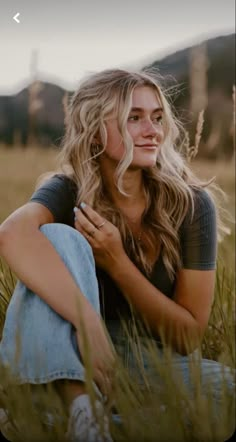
x,y
96,348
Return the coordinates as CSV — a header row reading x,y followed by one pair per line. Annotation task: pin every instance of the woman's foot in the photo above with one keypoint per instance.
x,y
83,425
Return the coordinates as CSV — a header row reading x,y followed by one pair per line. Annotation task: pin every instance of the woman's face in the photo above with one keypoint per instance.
x,y
144,126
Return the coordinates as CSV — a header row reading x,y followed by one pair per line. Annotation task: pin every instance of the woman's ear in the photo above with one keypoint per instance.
x,y
96,148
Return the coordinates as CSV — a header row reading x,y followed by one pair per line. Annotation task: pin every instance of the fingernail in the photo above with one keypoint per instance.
x,y
82,205
75,209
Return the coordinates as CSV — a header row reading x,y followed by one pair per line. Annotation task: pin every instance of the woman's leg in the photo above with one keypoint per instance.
x,y
211,386
44,337
203,390
39,345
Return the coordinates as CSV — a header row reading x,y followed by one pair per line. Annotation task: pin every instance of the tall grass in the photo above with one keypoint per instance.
x,y
150,410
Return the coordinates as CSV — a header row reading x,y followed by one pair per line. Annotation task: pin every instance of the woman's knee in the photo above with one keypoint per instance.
x,y
68,241
62,233
77,255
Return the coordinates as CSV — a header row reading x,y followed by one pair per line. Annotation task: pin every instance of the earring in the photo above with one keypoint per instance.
x,y
95,148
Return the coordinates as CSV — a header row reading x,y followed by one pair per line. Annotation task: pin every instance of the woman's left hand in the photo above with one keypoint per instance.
x,y
102,235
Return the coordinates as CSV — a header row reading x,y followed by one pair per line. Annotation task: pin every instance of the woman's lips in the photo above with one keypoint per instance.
x,y
147,146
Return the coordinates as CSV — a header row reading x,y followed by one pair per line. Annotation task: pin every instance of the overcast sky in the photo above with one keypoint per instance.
x,y
74,37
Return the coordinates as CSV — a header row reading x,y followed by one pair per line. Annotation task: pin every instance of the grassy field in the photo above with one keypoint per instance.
x,y
19,170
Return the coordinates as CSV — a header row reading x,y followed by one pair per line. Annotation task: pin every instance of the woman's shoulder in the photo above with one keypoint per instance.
x,y
201,214
56,179
199,233
58,193
203,199
203,206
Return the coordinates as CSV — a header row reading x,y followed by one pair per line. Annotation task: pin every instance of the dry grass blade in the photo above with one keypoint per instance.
x,y
192,151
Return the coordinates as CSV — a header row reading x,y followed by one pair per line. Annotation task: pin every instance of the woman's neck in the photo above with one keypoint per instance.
x,y
132,185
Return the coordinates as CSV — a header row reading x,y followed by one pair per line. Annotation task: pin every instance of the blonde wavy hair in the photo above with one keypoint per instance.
x,y
168,187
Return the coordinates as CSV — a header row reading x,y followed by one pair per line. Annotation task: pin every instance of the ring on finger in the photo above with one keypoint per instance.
x,y
100,225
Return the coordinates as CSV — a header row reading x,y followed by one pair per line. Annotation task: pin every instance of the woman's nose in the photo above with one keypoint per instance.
x,y
151,129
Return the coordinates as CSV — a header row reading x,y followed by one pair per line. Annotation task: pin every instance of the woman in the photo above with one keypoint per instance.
x,y
124,227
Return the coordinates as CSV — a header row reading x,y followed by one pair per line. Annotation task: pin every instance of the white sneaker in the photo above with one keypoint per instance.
x,y
83,426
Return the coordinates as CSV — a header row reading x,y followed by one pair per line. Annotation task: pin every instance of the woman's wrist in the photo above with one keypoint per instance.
x,y
119,267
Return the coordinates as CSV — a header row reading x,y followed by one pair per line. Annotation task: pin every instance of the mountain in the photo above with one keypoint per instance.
x,y
220,52
198,76
47,118
211,66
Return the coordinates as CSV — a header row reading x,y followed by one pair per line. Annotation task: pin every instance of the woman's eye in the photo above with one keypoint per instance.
x,y
159,119
133,118
156,120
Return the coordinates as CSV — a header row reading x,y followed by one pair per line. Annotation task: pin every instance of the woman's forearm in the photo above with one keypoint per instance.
x,y
165,317
36,263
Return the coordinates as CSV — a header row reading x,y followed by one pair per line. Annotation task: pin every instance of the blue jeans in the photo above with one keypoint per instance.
x,y
48,346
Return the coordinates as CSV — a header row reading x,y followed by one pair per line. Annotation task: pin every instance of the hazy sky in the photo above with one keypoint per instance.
x,y
76,36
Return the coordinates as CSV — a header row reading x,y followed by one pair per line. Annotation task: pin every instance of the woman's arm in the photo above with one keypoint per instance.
x,y
181,321
36,263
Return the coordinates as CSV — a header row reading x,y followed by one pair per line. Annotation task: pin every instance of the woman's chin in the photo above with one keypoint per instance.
x,y
144,163
147,159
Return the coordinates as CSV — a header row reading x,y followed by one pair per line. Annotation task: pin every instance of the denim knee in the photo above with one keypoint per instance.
x,y
77,255
57,231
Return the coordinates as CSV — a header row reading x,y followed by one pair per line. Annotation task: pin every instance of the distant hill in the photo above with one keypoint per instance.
x,y
15,119
219,56
219,53
221,59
